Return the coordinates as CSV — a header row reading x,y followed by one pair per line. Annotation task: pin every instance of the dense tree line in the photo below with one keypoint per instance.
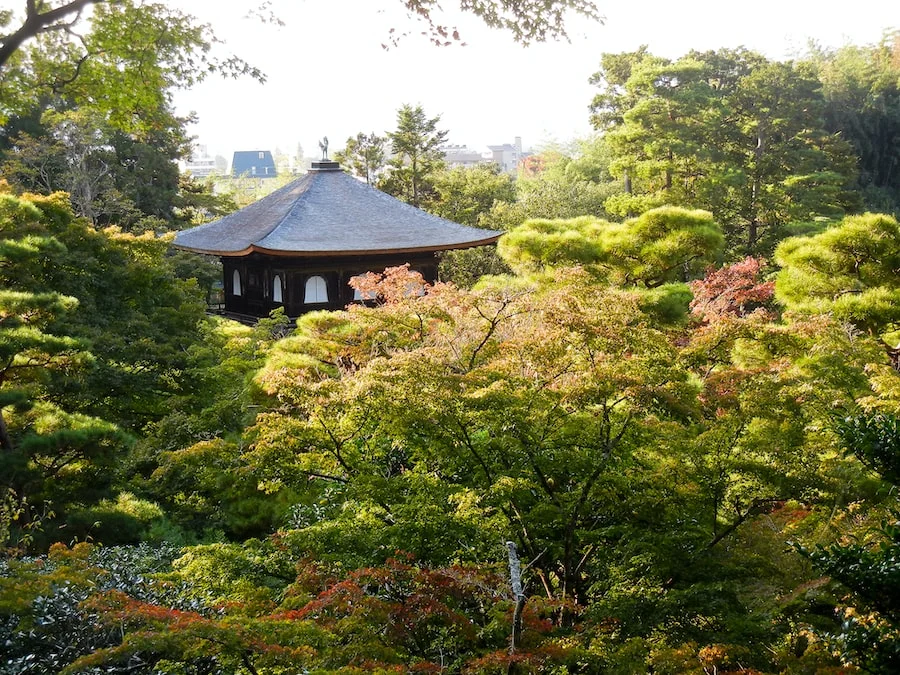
x,y
691,450
651,460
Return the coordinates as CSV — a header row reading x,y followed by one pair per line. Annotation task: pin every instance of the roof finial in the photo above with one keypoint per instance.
x,y
323,145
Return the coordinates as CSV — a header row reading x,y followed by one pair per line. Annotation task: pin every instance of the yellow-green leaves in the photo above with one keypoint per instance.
x,y
662,245
851,271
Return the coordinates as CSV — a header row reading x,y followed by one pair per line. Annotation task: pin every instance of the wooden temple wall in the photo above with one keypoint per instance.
x,y
250,282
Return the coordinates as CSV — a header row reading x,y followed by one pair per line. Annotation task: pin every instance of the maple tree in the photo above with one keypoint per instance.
x,y
732,290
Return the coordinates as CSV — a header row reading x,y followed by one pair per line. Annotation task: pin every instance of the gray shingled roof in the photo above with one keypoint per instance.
x,y
328,212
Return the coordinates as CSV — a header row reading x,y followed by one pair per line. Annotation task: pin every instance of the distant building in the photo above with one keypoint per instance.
x,y
201,165
507,156
254,164
460,155
299,247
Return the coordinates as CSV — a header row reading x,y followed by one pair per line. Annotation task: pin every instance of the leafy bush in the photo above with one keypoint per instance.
x,y
44,625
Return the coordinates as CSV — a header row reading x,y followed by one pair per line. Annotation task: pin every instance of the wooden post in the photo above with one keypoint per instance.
x,y
515,578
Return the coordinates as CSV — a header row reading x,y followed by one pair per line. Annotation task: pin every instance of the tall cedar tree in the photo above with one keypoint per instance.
x,y
417,156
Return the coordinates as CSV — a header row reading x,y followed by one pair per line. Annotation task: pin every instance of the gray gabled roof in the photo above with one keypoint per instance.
x,y
327,212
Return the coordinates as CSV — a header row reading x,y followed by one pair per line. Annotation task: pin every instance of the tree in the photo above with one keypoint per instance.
x,y
862,104
733,290
111,177
416,146
465,194
849,271
37,22
124,66
363,155
726,131
660,246
85,371
791,167
666,98
53,454
92,115
869,636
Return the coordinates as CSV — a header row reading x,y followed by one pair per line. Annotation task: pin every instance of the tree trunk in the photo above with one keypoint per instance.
x,y
5,440
755,191
669,172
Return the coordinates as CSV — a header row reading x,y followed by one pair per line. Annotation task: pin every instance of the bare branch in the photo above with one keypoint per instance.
x,y
37,22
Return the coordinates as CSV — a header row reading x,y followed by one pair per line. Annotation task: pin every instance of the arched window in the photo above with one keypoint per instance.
x,y
276,289
236,283
316,291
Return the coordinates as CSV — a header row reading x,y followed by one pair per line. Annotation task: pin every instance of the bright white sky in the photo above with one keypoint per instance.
x,y
329,76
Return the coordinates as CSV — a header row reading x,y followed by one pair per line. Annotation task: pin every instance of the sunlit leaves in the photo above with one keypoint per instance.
x,y
661,245
726,131
849,271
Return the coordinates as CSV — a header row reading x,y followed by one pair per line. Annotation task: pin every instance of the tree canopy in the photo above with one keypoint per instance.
x,y
416,156
727,131
848,271
662,245
629,448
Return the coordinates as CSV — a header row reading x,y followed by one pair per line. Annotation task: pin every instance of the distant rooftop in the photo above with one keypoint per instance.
x,y
254,163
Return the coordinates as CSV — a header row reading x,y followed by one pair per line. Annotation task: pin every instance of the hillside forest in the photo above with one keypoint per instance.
x,y
655,430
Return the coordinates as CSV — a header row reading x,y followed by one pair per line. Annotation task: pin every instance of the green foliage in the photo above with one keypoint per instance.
x,y
180,464
398,617
726,131
363,155
558,184
80,369
875,440
869,636
660,246
43,619
416,147
126,63
650,467
111,177
539,243
464,194
464,267
650,476
127,520
848,271
861,87
667,304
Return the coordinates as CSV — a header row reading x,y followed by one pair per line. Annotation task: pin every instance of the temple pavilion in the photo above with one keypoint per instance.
x,y
298,247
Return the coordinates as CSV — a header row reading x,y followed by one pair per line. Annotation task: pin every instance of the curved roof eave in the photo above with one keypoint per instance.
x,y
208,251
323,254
